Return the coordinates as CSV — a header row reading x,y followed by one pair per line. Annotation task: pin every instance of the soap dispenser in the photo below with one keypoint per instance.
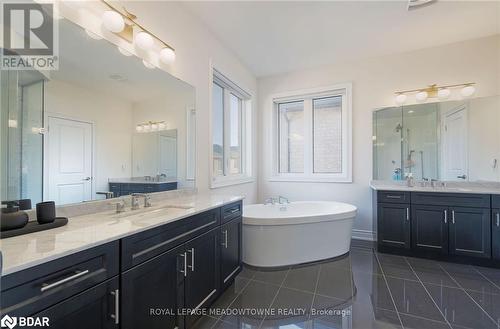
x,y
11,218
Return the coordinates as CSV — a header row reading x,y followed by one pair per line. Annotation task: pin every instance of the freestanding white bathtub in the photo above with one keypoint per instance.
x,y
305,231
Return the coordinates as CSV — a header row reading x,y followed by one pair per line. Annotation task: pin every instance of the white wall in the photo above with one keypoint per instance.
x,y
112,118
374,83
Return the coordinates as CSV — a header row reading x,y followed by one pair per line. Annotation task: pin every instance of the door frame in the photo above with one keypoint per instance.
x,y
462,107
46,117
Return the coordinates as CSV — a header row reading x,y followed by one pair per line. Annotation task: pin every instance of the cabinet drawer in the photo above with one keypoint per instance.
x,y
393,197
31,290
451,199
143,246
231,211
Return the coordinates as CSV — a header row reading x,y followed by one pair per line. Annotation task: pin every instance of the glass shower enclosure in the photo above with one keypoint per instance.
x,y
21,120
406,141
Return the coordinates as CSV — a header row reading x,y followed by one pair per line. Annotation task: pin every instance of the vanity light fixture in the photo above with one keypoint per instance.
x,y
125,25
433,91
151,126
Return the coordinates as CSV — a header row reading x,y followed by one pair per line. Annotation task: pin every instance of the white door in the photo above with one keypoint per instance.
x,y
168,156
455,148
69,160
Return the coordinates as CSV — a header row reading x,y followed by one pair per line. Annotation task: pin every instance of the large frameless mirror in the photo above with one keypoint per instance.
x,y
449,141
102,125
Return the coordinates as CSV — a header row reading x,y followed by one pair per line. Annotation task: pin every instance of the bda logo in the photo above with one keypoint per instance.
x,y
8,321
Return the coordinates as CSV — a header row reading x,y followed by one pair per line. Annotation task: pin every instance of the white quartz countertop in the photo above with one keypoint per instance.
x,y
84,232
141,181
451,187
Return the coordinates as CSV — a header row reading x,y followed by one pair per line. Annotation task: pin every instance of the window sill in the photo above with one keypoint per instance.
x,y
311,179
223,182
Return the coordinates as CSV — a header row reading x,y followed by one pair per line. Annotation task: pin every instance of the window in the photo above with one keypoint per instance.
x,y
230,133
291,137
312,131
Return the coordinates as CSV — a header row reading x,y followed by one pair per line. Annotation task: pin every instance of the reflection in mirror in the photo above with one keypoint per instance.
x,y
72,135
433,141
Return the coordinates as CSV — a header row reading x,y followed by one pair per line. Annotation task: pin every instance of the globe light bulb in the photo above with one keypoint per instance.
x,y
167,55
400,99
143,40
421,96
113,21
467,91
444,93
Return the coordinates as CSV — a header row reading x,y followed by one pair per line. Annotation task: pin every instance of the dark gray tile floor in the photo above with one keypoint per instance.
x,y
363,290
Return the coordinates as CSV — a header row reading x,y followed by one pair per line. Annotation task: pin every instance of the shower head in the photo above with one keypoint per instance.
x,y
399,127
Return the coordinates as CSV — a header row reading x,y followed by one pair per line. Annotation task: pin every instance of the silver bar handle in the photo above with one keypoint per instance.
x,y
407,213
184,271
116,316
191,251
235,210
498,219
46,286
393,196
225,238
453,216
446,216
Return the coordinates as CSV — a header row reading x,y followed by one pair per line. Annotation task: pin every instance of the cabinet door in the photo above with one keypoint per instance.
x,y
470,232
429,228
202,281
394,225
495,234
154,286
96,308
230,251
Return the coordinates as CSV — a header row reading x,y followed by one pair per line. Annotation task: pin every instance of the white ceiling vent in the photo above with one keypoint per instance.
x,y
415,4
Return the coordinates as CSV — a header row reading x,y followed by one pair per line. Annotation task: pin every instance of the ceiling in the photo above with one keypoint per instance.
x,y
282,36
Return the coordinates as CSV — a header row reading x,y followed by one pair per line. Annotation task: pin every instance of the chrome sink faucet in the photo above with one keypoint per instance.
x,y
135,200
120,206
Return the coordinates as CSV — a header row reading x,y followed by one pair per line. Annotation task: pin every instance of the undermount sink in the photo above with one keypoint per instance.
x,y
159,210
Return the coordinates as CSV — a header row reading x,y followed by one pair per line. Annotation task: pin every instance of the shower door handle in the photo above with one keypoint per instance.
x,y
462,176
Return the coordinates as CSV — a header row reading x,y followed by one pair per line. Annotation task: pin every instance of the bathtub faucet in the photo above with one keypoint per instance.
x,y
270,201
282,200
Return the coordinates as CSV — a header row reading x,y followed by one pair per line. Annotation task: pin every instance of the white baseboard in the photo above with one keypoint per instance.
x,y
364,235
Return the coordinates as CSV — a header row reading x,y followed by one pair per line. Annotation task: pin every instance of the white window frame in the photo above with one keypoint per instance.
x,y
245,135
344,90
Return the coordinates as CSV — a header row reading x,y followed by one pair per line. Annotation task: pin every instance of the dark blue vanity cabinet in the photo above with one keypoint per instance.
x,y
453,226
121,189
393,212
141,281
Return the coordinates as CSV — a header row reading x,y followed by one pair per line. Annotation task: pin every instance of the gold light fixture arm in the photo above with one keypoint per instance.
x,y
133,20
432,89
